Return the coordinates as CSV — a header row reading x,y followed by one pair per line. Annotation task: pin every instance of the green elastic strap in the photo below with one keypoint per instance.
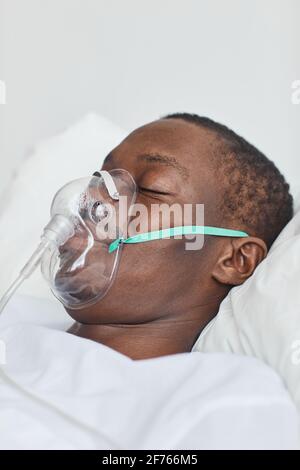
x,y
171,232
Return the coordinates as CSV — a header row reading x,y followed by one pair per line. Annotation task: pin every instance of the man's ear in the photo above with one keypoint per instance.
x,y
238,260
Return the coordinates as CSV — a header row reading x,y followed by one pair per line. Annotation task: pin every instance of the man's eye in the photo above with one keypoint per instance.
x,y
153,191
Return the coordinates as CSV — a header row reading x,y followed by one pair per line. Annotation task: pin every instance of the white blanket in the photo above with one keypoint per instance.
x,y
58,391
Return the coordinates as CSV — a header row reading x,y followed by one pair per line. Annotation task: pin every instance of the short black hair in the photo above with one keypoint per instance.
x,y
256,195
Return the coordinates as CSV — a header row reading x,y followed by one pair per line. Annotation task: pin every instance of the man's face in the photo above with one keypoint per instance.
x,y
170,161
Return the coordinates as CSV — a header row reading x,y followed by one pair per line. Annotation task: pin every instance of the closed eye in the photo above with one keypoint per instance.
x,y
153,191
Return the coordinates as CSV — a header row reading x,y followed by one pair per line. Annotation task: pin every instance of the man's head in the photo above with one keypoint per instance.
x,y
186,159
255,194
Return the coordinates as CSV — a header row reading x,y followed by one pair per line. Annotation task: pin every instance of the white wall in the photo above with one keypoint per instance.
x,y
134,60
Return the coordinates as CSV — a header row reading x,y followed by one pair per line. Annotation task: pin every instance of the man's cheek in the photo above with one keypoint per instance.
x,y
140,266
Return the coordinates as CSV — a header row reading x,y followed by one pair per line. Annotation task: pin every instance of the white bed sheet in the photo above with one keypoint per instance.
x,y
58,391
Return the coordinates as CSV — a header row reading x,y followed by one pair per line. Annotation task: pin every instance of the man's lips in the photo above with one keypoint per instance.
x,y
76,255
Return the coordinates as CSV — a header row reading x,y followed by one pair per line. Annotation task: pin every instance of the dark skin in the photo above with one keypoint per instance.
x,y
163,295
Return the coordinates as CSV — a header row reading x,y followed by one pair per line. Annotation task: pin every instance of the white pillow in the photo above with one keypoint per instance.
x,y
262,317
78,151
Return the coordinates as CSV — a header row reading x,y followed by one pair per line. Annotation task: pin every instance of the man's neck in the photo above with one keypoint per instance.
x,y
146,340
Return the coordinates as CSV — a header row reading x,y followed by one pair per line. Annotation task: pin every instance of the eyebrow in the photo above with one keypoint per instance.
x,y
166,160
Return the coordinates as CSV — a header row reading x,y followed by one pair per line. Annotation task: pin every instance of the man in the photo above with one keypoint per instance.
x,y
62,391
164,295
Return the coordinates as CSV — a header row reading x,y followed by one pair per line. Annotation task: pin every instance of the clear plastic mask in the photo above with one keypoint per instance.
x,y
79,267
